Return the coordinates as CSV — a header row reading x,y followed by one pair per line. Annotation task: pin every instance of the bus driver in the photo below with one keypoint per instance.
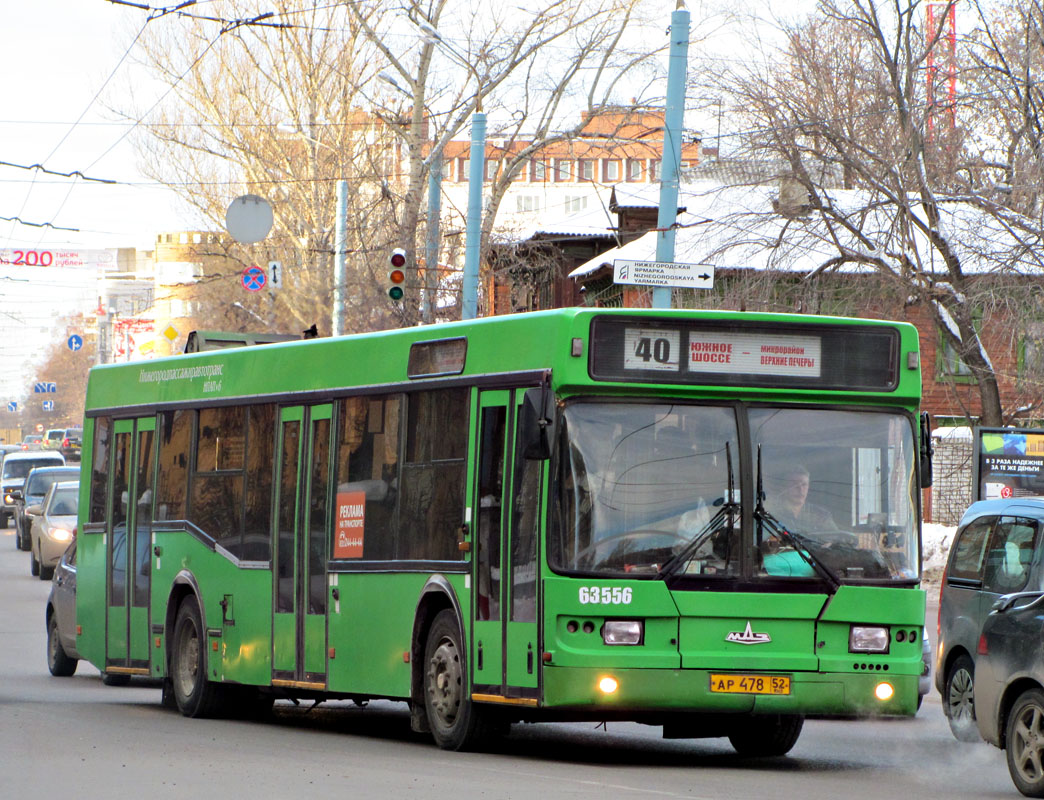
x,y
789,503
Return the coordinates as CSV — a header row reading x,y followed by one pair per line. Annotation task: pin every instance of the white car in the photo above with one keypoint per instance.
x,y
54,521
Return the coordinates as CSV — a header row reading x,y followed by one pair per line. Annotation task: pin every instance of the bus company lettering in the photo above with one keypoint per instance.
x,y
704,352
350,525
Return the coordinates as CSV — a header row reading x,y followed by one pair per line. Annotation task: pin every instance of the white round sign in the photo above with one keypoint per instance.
x,y
249,218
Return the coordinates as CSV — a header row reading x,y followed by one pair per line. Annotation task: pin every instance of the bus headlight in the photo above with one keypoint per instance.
x,y
622,631
868,639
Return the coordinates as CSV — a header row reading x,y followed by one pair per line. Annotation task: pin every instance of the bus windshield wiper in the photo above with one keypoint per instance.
x,y
798,542
729,508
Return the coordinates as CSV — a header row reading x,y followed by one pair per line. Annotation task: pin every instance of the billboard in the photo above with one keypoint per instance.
x,y
1009,462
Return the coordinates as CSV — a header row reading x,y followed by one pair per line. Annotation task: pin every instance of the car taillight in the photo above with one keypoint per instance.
x,y
983,649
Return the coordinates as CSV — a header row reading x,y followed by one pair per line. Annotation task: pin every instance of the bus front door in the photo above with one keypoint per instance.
x,y
506,511
129,547
299,571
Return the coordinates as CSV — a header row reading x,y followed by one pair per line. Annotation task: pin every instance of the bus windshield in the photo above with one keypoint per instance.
x,y
644,485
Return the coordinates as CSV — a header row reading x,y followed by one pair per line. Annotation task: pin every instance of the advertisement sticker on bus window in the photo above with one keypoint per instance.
x,y
755,354
350,525
652,348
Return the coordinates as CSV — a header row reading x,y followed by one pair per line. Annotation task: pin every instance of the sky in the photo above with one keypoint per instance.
x,y
56,56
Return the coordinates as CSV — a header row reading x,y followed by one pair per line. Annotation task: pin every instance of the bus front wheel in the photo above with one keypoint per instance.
x,y
456,722
766,736
194,694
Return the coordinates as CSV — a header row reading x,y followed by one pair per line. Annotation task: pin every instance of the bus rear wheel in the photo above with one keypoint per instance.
x,y
456,722
767,736
194,694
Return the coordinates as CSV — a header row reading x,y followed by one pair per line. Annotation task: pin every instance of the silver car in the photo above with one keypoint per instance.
x,y
996,551
53,524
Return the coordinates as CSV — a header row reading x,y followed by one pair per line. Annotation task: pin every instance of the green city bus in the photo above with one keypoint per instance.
x,y
705,521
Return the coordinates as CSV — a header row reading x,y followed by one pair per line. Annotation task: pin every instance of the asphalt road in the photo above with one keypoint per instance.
x,y
76,738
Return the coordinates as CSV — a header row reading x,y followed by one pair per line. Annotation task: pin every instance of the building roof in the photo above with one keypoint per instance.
x,y
738,227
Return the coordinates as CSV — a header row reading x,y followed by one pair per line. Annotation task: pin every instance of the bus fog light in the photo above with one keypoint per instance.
x,y
608,684
868,639
884,691
620,631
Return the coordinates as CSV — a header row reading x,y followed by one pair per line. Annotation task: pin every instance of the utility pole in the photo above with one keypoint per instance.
x,y
473,235
672,139
340,258
431,243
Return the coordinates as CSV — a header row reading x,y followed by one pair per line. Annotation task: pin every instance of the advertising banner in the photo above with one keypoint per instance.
x,y
1009,463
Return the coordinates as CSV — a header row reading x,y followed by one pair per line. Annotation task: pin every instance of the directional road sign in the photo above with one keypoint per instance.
x,y
45,387
254,279
663,273
48,405
275,274
75,342
12,406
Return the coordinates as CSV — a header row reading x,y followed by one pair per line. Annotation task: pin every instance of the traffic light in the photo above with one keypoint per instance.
x,y
397,274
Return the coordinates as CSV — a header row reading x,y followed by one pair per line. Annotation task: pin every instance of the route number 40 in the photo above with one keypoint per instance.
x,y
604,595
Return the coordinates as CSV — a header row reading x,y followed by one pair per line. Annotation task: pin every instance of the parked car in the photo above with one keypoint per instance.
x,y
996,551
1009,686
61,616
37,482
13,471
54,522
71,444
32,441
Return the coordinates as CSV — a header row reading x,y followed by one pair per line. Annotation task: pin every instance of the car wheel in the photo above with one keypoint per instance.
x,y
34,564
46,573
58,662
959,700
766,736
195,695
456,722
24,542
1025,743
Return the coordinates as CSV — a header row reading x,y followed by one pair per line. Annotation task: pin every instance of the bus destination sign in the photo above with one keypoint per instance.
x,y
708,352
722,351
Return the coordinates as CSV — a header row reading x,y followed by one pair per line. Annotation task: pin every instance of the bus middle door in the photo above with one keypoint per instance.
x,y
129,546
504,597
299,573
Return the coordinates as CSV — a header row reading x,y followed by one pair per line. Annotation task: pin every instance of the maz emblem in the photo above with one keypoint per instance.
x,y
748,636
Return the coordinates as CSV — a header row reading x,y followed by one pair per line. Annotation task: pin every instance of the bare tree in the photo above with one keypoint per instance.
x,y
538,73
270,106
843,104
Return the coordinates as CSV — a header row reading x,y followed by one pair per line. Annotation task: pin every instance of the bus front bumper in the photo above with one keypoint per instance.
x,y
689,690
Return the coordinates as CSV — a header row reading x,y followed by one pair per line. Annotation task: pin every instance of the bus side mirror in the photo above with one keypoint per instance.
x,y
926,451
535,422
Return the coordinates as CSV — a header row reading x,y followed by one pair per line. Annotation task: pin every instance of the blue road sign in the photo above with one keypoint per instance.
x,y
45,387
254,279
12,406
48,405
75,342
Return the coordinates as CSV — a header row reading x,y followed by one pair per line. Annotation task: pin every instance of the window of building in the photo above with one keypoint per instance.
x,y
465,167
654,169
564,169
492,168
447,169
527,203
585,169
537,170
575,203
611,170
634,169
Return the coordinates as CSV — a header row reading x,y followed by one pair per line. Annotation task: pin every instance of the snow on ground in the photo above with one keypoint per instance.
x,y
935,545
